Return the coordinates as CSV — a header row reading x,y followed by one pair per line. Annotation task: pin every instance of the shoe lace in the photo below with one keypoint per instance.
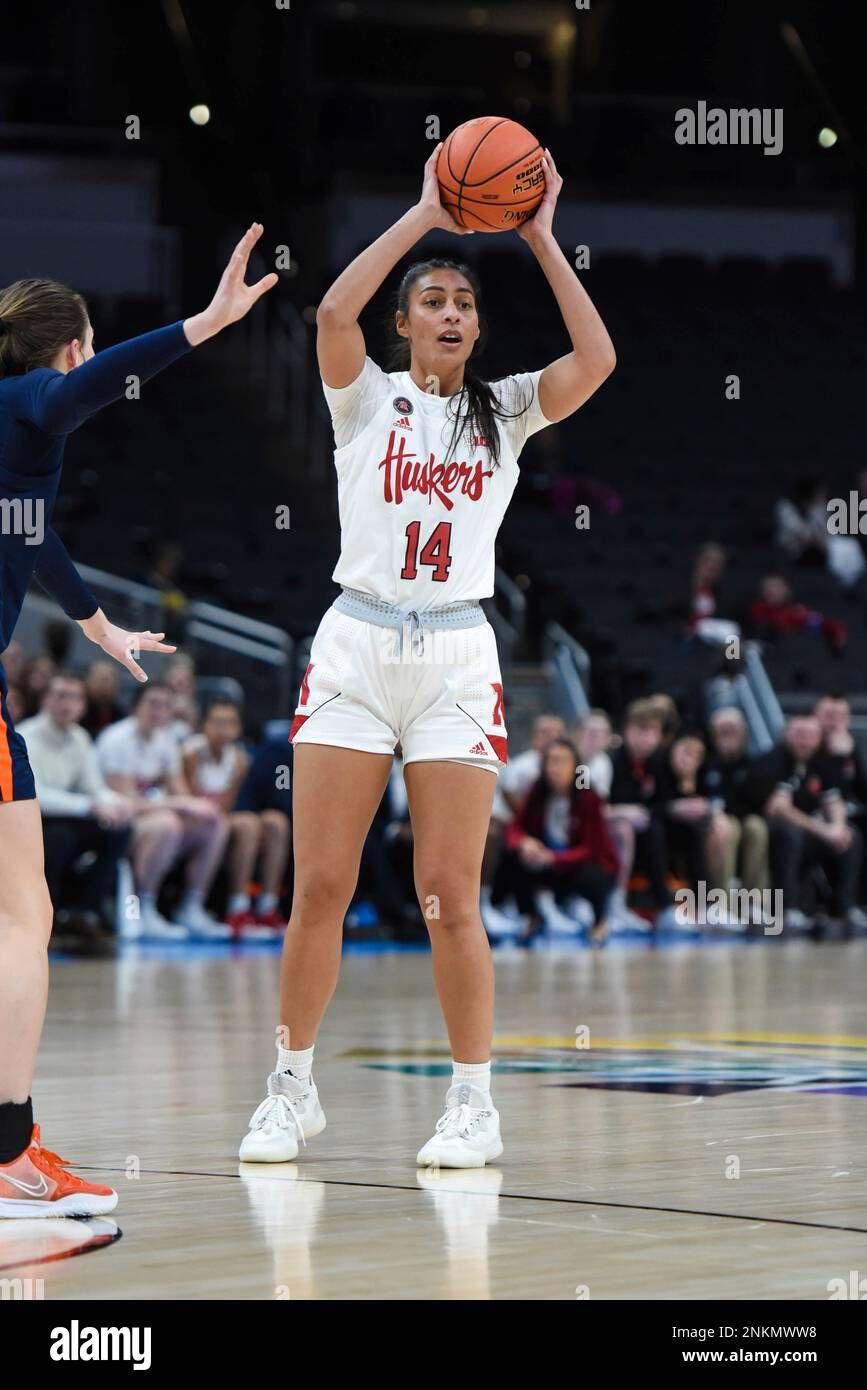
x,y
57,1166
461,1121
53,1159
279,1110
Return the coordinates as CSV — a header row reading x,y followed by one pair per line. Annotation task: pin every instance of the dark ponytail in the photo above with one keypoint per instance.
x,y
37,320
477,409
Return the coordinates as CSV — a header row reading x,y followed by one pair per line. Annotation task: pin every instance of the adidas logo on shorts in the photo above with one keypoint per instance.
x,y
479,748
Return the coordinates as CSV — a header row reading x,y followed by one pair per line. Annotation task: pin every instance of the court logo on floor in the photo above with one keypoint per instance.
x,y
707,1065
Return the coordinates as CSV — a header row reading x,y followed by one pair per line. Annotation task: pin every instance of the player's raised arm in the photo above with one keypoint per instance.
x,y
571,380
59,401
339,339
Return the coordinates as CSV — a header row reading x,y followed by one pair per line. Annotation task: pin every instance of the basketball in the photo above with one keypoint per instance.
x,y
490,174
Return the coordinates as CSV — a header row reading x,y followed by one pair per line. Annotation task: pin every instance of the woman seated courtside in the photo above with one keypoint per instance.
x,y
558,840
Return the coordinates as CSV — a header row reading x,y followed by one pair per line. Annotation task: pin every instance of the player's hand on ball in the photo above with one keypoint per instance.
x,y
429,201
541,221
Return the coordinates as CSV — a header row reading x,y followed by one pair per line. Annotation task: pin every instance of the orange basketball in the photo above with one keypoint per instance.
x,y
490,174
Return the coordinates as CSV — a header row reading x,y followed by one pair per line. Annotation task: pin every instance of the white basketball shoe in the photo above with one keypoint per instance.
x,y
467,1134
289,1112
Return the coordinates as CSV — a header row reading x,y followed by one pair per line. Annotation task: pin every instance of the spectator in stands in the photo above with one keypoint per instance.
x,y
801,522
519,774
834,713
164,574
740,846
80,814
594,737
102,685
180,677
140,758
215,765
704,618
798,790
513,783
387,864
694,827
802,532
774,612
57,640
636,816
670,717
267,787
558,840
34,682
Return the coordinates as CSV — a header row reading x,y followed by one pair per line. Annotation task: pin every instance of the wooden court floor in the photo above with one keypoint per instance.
x,y
709,1142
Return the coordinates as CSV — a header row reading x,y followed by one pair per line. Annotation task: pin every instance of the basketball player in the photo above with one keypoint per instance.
x,y
427,460
50,383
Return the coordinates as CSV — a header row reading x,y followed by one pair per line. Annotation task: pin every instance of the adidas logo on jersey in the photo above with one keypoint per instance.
x,y
479,748
402,423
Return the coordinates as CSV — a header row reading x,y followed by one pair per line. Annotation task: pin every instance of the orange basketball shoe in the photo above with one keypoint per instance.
x,y
36,1183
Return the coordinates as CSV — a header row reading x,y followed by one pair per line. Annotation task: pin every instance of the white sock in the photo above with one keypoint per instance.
x,y
478,1074
266,902
299,1063
192,898
238,902
147,901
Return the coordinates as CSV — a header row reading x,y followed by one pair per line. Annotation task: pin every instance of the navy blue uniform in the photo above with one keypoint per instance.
x,y
37,411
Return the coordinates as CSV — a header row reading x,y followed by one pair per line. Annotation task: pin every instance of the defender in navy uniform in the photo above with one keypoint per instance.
x,y
50,383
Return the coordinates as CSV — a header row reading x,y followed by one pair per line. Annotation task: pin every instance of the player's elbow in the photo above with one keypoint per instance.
x,y
607,362
331,314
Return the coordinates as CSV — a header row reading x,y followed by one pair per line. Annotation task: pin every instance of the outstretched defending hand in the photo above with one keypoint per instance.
x,y
233,298
123,646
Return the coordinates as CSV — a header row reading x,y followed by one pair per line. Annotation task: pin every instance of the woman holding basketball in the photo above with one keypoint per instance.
x,y
50,383
426,461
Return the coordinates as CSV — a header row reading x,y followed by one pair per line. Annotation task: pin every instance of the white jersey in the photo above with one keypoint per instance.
x,y
416,530
211,778
151,759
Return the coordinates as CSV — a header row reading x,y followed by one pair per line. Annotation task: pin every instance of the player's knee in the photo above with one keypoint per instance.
x,y
29,911
322,895
452,904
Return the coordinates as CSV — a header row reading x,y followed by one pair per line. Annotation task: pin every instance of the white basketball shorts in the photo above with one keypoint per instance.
x,y
438,693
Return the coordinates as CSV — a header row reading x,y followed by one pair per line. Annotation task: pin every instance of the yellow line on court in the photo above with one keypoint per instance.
x,y
654,1041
